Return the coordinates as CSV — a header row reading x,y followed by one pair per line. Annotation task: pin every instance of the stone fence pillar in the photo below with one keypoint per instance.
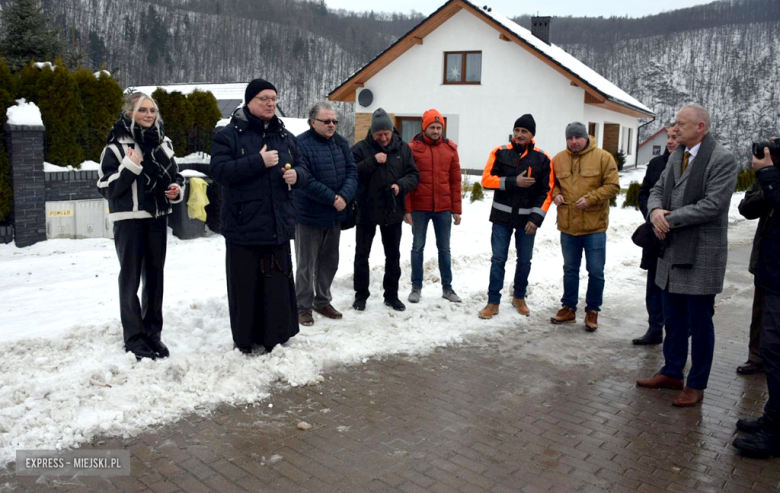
x,y
25,152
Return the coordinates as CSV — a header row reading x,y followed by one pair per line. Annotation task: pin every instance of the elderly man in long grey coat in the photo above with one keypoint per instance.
x,y
689,210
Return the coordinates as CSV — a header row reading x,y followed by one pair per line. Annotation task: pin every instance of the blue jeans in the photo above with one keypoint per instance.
x,y
595,246
442,225
499,241
686,314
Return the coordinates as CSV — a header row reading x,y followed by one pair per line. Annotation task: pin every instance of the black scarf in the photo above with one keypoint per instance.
x,y
159,170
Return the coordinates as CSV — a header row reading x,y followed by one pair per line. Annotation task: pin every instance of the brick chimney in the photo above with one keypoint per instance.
x,y
540,27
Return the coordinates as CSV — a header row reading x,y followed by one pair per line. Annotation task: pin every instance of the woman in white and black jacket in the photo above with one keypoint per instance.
x,y
140,179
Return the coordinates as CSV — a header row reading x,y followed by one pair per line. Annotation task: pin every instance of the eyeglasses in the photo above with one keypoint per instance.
x,y
144,111
328,122
265,99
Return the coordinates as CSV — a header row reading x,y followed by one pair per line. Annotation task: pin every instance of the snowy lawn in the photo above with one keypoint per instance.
x,y
64,376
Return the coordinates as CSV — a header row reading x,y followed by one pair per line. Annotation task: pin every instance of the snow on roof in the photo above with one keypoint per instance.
x,y
295,125
42,65
567,61
102,72
220,91
24,113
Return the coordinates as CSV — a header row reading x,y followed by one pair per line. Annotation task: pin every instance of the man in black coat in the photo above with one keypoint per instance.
x,y
655,312
386,173
257,162
754,206
762,435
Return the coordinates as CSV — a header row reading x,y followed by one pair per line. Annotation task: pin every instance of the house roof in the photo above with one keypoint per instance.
x,y
663,130
598,90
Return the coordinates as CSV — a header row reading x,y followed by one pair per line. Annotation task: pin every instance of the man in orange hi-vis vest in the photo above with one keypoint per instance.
x,y
522,178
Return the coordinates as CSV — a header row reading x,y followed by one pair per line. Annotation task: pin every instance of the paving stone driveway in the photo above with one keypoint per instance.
x,y
481,417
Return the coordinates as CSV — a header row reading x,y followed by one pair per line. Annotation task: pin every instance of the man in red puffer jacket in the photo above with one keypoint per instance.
x,y
437,198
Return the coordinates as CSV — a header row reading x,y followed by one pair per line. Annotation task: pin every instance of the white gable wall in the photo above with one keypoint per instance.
x,y
646,151
480,117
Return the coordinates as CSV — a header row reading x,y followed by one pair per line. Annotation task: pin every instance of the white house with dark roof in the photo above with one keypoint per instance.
x,y
482,71
652,147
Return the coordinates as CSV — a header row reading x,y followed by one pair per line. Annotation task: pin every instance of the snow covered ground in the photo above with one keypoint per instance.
x,y
64,376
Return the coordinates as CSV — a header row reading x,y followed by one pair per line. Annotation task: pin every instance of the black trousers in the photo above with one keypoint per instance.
x,y
261,294
141,245
755,327
391,240
770,353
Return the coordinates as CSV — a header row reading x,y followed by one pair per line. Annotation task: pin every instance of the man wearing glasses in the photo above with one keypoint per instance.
x,y
320,210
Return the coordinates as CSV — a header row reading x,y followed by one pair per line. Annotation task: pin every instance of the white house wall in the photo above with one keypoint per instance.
x,y
601,116
646,152
480,117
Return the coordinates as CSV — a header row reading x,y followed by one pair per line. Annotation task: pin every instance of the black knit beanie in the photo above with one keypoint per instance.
x,y
255,87
527,122
380,120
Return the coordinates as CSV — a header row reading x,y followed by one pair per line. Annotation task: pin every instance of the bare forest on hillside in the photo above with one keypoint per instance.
x,y
724,55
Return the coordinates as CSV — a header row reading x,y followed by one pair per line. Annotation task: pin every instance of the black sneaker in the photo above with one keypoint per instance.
x,y
395,304
751,425
156,345
359,304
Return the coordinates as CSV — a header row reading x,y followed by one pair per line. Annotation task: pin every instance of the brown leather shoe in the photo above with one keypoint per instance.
x,y
689,397
659,381
592,321
305,318
328,311
564,316
490,310
522,308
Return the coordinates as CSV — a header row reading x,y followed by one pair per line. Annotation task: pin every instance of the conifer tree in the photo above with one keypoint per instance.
x,y
177,114
206,114
26,34
101,98
6,100
63,115
27,82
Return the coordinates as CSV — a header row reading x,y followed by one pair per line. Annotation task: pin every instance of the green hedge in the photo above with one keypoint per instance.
x,y
6,101
101,98
745,179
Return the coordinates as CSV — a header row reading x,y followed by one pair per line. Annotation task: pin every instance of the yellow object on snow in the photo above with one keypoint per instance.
x,y
196,205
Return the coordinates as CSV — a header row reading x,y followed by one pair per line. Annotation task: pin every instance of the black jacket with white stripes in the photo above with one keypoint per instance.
x,y
123,184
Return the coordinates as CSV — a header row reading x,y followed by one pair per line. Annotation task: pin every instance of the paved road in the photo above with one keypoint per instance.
x,y
515,413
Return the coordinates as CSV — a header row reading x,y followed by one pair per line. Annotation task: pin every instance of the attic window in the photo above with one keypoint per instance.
x,y
462,67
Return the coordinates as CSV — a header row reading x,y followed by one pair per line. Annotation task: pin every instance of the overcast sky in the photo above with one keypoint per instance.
x,y
512,8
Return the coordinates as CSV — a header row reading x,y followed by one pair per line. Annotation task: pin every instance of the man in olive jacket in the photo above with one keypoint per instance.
x,y
586,179
386,173
689,209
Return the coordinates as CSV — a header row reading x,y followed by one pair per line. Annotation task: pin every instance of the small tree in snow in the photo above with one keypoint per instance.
x,y
26,35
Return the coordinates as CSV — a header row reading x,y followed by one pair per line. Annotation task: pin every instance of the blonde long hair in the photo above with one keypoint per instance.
x,y
132,102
